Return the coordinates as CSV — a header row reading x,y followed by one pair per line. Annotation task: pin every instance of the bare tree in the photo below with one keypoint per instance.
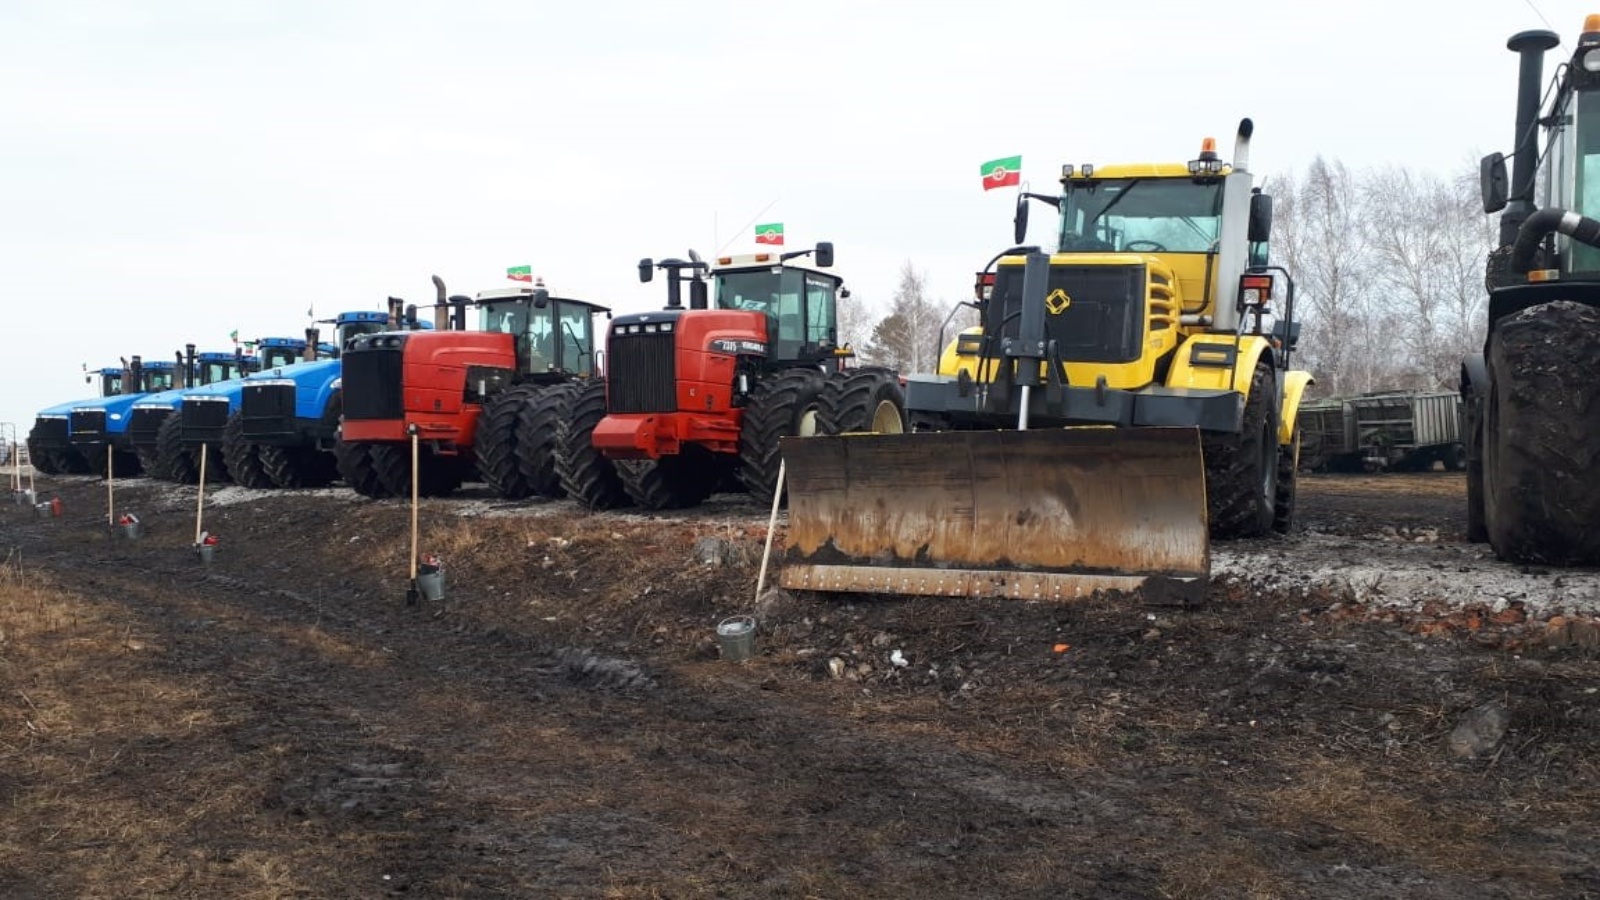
x,y
907,338
1389,268
857,318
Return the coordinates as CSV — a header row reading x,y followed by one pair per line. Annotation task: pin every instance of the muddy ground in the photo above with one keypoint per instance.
x,y
1368,708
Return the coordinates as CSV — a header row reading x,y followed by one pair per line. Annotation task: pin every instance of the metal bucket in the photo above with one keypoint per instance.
x,y
431,585
133,530
736,637
207,552
41,510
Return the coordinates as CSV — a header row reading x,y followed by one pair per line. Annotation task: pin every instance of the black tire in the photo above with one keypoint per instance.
x,y
1542,437
586,476
438,476
782,405
868,399
538,436
353,459
1472,402
495,441
1242,467
1284,498
45,462
671,482
173,459
243,456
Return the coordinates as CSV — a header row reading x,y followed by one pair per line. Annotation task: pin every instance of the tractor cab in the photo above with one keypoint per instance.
x,y
350,325
272,352
217,365
798,304
110,379
155,376
553,337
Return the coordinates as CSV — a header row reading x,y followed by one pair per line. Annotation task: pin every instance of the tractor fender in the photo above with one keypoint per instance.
x,y
1213,362
1295,382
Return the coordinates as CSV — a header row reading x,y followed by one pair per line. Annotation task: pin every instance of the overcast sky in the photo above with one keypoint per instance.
x,y
172,171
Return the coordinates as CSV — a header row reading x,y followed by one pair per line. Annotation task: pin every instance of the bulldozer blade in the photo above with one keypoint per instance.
x,y
1048,514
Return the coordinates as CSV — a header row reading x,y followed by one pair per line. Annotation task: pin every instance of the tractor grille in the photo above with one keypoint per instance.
x,y
88,426
1103,320
204,419
144,423
49,432
267,409
371,384
641,376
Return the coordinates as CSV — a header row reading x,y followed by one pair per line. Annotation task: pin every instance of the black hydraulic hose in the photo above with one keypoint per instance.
x,y
1547,221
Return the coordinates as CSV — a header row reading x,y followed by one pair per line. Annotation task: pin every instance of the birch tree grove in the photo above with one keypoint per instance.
x,y
1388,267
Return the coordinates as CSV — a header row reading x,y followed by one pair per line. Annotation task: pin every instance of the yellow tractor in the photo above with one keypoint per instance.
x,y
1125,398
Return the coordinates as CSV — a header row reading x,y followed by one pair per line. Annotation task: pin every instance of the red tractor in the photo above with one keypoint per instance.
x,y
697,398
482,403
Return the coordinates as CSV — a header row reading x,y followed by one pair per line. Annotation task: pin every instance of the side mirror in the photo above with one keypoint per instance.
x,y
647,269
1287,332
1019,222
844,293
1260,218
1492,181
824,254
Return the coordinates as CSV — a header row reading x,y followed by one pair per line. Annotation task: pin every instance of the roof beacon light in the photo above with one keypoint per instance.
x,y
1208,163
1591,30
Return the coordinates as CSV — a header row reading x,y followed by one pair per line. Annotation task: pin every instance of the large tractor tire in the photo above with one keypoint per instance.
x,y
495,442
1542,438
782,405
173,459
586,476
1283,501
867,399
243,456
1242,467
538,436
45,462
438,476
1472,428
306,466
671,482
354,462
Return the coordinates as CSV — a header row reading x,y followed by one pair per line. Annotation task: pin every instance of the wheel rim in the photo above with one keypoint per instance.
x,y
886,419
807,425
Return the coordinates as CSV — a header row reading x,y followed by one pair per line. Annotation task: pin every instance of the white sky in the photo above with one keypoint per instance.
x,y
171,171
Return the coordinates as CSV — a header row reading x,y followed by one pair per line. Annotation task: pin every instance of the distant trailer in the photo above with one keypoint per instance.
x,y
1387,431
1409,432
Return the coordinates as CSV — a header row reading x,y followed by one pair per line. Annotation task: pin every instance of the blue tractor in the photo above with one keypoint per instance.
x,y
50,441
149,412
286,426
202,416
97,429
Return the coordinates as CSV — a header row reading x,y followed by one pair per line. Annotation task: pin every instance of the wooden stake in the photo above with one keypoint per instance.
x,y
111,494
772,525
200,501
415,494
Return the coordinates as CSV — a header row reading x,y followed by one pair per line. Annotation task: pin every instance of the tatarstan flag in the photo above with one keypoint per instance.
x,y
520,273
771,233
1002,172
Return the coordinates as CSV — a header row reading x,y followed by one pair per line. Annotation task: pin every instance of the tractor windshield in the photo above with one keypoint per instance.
x,y
349,330
1573,170
531,328
800,305
1152,215
212,371
574,342
157,380
111,383
279,356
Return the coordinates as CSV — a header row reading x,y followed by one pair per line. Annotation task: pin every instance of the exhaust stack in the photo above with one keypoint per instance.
x,y
1531,46
441,307
1241,146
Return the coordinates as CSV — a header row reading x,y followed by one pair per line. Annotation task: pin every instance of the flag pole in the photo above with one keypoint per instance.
x,y
748,224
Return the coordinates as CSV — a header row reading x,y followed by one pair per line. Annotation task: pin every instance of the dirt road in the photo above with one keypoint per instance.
x,y
281,724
